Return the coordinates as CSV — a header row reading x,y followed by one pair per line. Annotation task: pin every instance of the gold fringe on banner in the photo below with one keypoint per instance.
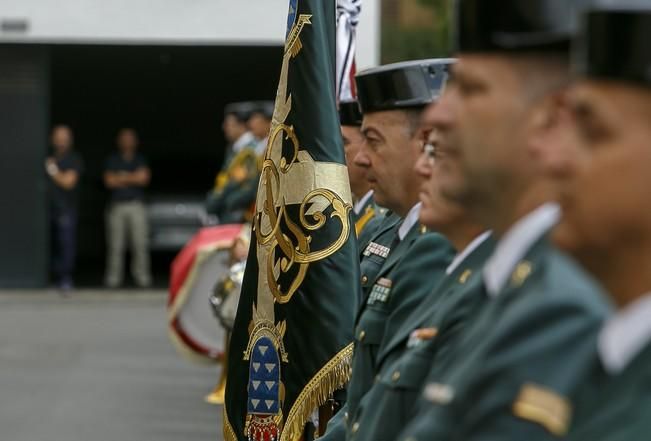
x,y
334,375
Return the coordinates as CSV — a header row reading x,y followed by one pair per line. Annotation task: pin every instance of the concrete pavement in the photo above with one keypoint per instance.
x,y
97,366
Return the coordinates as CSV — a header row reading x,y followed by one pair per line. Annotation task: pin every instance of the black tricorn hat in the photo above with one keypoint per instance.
x,y
516,25
349,113
616,44
402,85
264,108
241,110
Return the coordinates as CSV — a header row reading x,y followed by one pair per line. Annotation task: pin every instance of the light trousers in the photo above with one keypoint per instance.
x,y
127,221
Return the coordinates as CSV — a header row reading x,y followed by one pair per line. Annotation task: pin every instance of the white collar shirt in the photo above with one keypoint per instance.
x,y
467,251
515,244
357,208
246,139
625,335
410,220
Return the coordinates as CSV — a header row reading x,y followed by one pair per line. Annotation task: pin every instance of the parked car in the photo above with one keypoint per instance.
x,y
174,220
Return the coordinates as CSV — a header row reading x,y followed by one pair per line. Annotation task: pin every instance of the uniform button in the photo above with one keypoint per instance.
x,y
377,378
346,416
364,279
362,334
396,376
355,427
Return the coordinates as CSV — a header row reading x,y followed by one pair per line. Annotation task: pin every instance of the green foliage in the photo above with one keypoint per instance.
x,y
401,43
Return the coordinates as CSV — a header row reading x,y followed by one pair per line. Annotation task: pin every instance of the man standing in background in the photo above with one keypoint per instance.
x,y
126,175
63,168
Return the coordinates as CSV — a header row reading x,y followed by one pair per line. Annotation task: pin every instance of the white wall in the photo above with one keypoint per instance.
x,y
254,22
368,35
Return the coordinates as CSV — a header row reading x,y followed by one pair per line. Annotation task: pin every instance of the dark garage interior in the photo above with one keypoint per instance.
x,y
172,96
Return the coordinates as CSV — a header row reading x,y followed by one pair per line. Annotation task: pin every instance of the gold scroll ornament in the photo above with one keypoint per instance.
x,y
284,244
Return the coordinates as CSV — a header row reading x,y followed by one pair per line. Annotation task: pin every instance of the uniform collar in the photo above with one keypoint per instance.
x,y
625,335
246,139
360,203
459,259
261,146
410,220
515,244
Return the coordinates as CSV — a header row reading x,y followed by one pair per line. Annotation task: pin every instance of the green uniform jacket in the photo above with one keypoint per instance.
x,y
376,252
424,257
511,374
372,258
615,408
404,362
232,201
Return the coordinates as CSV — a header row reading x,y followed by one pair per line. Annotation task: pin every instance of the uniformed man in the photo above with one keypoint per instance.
x,y
233,196
365,211
604,179
510,374
416,334
393,142
260,124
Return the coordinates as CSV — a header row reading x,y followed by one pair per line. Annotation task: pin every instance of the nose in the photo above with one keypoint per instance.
x,y
362,158
423,166
558,161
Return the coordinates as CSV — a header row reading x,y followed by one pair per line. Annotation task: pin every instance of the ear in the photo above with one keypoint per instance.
x,y
548,116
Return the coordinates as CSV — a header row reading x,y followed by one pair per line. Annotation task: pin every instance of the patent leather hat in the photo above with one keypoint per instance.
x,y
402,85
349,113
615,43
516,25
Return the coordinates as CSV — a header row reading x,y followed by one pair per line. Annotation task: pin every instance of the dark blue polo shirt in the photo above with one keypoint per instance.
x,y
117,163
62,200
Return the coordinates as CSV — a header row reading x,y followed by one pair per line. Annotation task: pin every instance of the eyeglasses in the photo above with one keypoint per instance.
x,y
430,152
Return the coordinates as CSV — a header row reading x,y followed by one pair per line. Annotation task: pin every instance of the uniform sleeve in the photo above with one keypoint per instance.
x,y
336,426
415,281
522,386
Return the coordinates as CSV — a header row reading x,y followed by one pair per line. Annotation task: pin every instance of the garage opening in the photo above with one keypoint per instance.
x,y
173,97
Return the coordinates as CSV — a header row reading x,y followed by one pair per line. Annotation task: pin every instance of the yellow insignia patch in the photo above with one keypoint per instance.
x,y
545,407
463,278
521,273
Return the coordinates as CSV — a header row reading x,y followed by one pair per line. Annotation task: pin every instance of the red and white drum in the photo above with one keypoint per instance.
x,y
195,271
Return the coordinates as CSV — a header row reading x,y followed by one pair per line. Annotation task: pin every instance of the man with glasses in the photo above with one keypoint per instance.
x,y
415,333
511,374
393,139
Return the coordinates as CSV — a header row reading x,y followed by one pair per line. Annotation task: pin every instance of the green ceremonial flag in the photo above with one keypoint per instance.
x,y
291,344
